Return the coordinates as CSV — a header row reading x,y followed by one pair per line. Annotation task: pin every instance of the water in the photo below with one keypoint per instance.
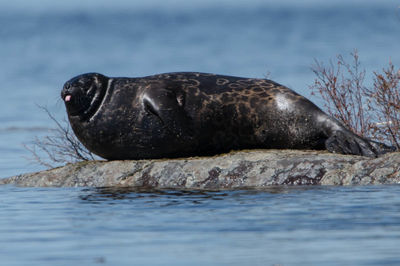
x,y
44,44
279,226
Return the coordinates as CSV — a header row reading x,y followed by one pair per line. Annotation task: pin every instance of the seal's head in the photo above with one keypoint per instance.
x,y
83,94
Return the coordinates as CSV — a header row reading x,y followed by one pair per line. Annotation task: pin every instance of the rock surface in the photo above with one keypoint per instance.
x,y
236,170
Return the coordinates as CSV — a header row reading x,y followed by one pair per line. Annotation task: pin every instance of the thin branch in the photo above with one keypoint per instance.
x,y
369,112
59,147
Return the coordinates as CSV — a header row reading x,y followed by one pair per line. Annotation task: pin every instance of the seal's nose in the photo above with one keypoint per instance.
x,y
67,86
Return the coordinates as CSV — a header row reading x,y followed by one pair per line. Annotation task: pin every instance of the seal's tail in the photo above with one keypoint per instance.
x,y
346,142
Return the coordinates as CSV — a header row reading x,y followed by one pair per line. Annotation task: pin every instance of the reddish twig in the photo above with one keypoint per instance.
x,y
369,112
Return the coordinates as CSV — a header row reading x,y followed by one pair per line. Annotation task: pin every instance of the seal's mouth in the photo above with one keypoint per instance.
x,y
82,105
76,104
83,100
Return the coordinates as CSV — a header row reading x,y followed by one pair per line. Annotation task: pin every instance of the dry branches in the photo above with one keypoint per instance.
x,y
384,101
369,112
58,148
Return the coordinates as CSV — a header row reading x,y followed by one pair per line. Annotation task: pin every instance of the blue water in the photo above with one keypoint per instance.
x,y
43,44
279,226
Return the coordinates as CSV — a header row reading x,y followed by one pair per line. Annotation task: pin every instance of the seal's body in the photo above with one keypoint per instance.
x,y
194,114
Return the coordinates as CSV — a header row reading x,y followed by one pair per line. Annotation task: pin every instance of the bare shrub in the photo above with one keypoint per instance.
x,y
369,112
59,147
384,102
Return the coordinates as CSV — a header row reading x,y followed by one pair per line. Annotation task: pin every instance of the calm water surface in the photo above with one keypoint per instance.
x,y
279,226
44,44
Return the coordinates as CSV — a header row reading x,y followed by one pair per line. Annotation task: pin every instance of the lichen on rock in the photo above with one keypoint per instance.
x,y
235,170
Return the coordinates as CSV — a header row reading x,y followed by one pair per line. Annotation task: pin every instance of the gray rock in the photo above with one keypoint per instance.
x,y
236,170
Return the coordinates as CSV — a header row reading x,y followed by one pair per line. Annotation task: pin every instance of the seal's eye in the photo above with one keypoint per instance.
x,y
84,82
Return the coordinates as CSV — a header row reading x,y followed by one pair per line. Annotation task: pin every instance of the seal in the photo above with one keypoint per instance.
x,y
195,114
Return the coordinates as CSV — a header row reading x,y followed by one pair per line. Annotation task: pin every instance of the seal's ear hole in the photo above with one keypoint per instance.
x,y
180,98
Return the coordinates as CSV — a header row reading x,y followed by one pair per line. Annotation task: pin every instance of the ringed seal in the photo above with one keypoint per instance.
x,y
194,114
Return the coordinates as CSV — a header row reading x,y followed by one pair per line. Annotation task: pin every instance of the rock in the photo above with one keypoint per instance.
x,y
236,170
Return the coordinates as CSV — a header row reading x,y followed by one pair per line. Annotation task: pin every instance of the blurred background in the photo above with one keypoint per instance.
x,y
43,45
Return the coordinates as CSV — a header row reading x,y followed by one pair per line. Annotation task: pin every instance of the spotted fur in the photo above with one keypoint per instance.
x,y
193,114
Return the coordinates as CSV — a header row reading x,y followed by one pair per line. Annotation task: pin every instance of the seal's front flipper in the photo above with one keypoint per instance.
x,y
168,107
348,143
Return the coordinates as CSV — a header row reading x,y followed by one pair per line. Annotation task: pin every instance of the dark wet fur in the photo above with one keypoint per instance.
x,y
194,114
